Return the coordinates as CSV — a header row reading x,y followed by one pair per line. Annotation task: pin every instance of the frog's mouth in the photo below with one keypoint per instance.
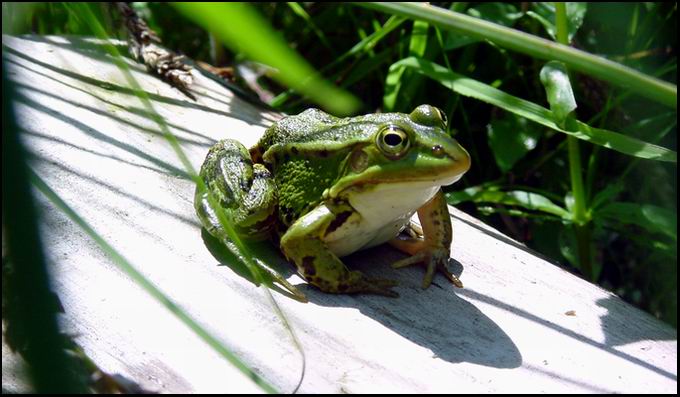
x,y
433,176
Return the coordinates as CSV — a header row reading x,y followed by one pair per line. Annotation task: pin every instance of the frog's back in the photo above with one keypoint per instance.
x,y
319,127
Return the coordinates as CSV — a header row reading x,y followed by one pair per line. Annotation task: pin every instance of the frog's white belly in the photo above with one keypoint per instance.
x,y
380,214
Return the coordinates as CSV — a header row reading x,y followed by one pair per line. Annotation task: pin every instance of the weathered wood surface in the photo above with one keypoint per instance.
x,y
507,331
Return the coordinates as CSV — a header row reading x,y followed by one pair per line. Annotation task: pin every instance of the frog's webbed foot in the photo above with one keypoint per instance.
x,y
330,275
434,258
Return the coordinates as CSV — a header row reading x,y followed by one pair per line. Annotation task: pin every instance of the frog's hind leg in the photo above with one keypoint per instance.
x,y
433,248
245,191
302,244
247,195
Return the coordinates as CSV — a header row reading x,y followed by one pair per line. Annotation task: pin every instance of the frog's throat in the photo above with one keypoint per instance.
x,y
360,183
380,212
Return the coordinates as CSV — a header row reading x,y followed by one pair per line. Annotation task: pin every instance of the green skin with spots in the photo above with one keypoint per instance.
x,y
311,181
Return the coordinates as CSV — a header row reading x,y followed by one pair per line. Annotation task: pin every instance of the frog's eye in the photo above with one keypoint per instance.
x,y
442,117
429,115
392,141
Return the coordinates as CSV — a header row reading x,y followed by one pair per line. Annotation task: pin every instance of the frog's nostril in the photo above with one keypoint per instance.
x,y
438,150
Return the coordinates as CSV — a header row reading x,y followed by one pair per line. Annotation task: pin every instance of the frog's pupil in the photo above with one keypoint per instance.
x,y
392,139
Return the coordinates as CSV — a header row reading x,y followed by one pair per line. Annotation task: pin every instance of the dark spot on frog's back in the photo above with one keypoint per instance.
x,y
337,222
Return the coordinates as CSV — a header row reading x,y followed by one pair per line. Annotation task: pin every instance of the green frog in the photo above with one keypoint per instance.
x,y
324,187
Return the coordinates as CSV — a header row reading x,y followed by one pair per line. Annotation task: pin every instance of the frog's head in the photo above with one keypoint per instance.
x,y
405,148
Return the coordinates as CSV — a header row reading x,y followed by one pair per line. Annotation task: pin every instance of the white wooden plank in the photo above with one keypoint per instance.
x,y
506,331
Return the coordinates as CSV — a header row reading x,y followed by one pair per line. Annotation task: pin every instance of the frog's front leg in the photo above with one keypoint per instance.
x,y
303,244
434,249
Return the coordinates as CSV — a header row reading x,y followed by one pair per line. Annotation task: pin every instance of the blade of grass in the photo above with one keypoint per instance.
x,y
580,216
623,76
472,88
361,48
300,11
123,264
394,92
240,27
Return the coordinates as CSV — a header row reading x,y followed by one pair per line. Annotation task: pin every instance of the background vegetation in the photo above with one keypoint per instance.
x,y
588,180
620,230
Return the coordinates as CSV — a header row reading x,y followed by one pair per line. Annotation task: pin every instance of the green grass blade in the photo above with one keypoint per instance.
x,y
623,76
239,26
359,49
472,88
300,11
123,264
399,86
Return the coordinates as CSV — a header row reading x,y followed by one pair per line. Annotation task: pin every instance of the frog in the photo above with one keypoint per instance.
x,y
322,187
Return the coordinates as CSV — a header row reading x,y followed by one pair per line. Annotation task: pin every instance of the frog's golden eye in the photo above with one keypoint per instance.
x,y
442,117
429,115
392,141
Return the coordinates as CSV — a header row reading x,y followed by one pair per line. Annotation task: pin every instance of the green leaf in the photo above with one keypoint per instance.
x,y
534,201
456,40
462,196
501,13
242,28
472,88
606,194
555,79
650,217
544,12
510,139
528,200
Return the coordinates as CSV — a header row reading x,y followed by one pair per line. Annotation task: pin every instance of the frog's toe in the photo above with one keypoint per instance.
x,y
452,277
411,260
433,259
